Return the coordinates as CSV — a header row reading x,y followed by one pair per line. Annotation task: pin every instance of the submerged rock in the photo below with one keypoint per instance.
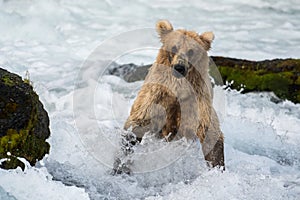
x,y
130,72
24,124
281,76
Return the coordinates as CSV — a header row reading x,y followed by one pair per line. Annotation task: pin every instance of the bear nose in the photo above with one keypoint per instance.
x,y
179,70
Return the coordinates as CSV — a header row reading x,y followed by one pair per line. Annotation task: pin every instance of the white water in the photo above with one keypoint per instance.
x,y
51,39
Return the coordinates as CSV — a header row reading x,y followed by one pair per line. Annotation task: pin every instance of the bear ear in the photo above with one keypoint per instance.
x,y
207,38
163,27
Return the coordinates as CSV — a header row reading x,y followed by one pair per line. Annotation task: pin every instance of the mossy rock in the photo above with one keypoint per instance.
x,y
24,124
281,76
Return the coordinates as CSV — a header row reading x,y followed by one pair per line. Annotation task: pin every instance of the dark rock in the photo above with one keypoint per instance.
x,y
24,124
281,76
130,72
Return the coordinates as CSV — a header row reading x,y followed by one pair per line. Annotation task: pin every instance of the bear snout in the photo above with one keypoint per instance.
x,y
179,70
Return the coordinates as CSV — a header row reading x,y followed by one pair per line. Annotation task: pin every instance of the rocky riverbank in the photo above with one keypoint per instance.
x,y
281,76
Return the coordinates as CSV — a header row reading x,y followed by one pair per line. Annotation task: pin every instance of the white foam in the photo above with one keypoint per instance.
x,y
37,183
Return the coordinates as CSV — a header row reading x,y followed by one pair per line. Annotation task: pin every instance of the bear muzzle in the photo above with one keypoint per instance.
x,y
179,70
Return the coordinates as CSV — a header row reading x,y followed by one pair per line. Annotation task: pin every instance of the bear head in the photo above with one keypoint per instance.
x,y
182,50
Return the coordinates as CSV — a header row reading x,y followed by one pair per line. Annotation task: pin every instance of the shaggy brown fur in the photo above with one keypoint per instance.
x,y
173,106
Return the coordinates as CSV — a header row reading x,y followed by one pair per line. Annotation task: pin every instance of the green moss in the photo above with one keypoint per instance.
x,y
9,141
27,81
7,81
280,83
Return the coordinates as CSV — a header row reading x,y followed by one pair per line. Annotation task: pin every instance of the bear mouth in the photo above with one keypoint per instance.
x,y
179,71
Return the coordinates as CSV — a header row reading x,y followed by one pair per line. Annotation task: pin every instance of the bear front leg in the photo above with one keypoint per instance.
x,y
213,150
138,128
213,143
170,128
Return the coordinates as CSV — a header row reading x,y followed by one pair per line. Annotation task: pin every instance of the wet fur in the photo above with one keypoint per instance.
x,y
179,107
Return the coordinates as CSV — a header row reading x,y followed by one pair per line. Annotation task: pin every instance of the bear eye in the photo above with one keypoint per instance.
x,y
190,53
174,49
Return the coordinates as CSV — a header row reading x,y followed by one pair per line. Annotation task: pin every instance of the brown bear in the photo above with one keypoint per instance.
x,y
176,98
